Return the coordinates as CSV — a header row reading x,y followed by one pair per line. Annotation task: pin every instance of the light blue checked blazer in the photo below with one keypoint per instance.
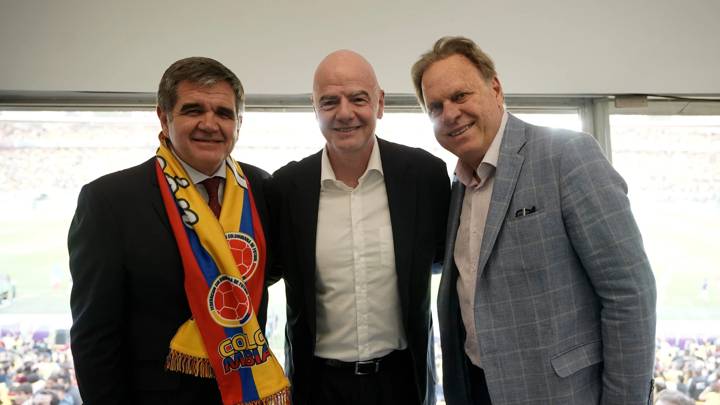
x,y
565,297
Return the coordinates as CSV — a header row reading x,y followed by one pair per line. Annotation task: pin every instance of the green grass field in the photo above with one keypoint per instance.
x,y
33,252
682,246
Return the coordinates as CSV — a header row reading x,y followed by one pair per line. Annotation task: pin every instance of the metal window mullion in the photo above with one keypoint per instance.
x,y
599,123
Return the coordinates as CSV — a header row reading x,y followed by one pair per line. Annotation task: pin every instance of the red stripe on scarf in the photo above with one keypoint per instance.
x,y
256,284
196,286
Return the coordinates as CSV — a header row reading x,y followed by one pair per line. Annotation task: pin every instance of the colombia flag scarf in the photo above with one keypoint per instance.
x,y
224,263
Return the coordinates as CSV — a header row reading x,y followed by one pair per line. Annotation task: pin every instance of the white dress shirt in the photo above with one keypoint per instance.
x,y
357,301
196,177
475,206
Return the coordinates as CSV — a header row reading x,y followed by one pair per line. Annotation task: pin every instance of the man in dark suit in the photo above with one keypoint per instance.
x,y
549,297
128,296
357,227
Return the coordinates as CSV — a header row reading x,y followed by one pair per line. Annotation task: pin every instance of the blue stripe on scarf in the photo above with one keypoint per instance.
x,y
207,265
211,272
248,385
246,224
246,378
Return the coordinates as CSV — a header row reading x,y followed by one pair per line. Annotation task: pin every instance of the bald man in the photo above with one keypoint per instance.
x,y
357,227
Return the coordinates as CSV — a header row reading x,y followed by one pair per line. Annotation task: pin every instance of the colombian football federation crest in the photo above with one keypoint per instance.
x,y
245,252
229,301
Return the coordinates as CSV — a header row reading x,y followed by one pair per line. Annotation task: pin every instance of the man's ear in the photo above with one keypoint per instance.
x,y
163,117
237,128
381,104
498,90
312,101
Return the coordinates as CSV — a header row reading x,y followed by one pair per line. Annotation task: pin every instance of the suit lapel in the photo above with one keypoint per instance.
x,y
154,194
401,191
449,277
456,199
509,165
305,196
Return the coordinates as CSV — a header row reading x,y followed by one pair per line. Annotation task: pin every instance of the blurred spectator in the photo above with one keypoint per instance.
x,y
59,383
688,365
19,393
698,383
711,396
672,397
681,386
45,397
32,365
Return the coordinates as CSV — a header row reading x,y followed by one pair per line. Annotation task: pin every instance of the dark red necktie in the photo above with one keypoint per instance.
x,y
211,185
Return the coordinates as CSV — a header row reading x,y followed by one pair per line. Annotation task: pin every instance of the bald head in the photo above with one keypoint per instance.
x,y
345,66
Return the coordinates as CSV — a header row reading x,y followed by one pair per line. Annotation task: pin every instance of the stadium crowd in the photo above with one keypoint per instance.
x,y
687,371
34,371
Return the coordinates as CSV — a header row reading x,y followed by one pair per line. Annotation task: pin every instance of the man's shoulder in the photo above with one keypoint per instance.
x,y
409,152
559,150
308,166
419,160
124,178
546,142
253,172
539,133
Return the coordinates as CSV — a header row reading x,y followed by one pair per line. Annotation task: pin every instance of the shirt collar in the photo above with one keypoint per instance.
x,y
327,174
195,175
477,177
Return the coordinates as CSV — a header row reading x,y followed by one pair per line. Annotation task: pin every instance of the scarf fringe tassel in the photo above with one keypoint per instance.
x,y
186,364
281,397
200,367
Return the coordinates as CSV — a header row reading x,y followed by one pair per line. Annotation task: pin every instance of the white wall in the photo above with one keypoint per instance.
x,y
540,47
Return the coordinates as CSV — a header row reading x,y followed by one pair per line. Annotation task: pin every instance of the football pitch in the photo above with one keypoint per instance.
x,y
33,252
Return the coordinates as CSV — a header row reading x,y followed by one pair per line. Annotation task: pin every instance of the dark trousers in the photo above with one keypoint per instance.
x,y
336,383
478,384
191,391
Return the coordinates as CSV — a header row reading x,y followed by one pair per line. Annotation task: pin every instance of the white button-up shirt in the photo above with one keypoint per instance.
x,y
357,301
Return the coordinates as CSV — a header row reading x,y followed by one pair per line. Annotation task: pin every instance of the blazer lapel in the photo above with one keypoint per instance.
x,y
448,280
306,197
456,199
155,195
509,164
401,203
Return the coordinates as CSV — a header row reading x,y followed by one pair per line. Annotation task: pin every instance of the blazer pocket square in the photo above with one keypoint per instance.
x,y
522,212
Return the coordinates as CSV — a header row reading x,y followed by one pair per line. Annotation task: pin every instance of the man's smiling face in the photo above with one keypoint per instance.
x,y
203,125
465,108
348,102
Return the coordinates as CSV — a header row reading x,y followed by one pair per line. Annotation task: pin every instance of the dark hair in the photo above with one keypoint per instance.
x,y
674,397
198,70
444,48
25,388
54,399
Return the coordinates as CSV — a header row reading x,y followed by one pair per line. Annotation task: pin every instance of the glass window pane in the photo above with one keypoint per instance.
x,y
567,120
46,156
672,166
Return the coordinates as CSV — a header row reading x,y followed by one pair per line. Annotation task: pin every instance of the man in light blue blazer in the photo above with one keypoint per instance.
x,y
547,296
